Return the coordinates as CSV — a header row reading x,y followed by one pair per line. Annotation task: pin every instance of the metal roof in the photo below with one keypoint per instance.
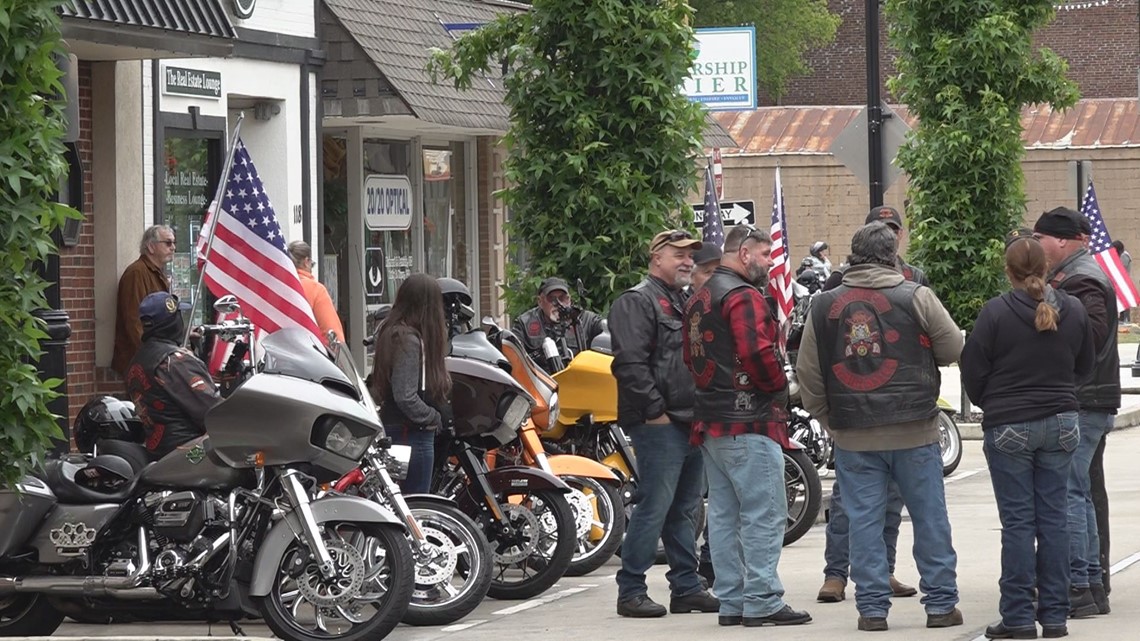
x,y
1091,124
196,17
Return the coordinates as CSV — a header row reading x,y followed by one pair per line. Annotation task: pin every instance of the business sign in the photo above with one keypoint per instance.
x,y
723,76
199,83
387,202
731,212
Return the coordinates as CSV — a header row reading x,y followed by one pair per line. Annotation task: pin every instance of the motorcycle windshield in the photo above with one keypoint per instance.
x,y
296,353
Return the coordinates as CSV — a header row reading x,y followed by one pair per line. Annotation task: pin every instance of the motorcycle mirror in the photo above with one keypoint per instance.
x,y
581,290
489,321
228,304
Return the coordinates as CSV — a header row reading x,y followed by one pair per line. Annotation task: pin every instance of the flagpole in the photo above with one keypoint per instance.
x,y
223,180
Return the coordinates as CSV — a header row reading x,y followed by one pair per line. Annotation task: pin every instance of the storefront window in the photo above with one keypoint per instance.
x,y
191,167
445,212
390,254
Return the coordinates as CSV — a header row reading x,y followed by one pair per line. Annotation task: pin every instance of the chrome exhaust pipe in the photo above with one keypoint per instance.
x,y
119,587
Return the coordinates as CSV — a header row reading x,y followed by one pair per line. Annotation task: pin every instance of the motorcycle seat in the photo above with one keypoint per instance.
x,y
60,476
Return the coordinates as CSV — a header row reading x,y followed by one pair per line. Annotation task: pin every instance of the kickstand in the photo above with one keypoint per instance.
x,y
236,629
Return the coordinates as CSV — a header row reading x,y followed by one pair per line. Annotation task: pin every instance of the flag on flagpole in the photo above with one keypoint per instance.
x,y
1100,246
247,257
780,276
712,231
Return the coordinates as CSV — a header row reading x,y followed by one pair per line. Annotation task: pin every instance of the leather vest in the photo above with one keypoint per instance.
x,y
876,360
1102,390
165,422
725,390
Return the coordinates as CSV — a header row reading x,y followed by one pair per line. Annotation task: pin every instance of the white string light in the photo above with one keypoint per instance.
x,y
1069,6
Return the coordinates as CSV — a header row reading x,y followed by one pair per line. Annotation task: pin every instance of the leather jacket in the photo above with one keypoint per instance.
x,y
172,390
531,327
1081,276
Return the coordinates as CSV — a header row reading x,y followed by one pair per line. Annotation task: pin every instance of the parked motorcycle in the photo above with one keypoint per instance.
x,y
523,510
224,526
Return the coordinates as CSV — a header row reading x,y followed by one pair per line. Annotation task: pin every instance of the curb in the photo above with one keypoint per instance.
x,y
1124,420
153,637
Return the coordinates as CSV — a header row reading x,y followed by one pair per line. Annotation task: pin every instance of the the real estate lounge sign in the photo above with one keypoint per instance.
x,y
723,77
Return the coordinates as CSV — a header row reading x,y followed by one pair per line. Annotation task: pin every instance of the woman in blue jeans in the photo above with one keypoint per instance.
x,y
1021,364
409,379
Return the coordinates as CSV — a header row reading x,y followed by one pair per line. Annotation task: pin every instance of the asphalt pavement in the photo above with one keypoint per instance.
x,y
583,608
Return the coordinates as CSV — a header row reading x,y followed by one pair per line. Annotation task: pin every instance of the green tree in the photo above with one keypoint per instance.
x,y
966,68
785,30
601,142
31,165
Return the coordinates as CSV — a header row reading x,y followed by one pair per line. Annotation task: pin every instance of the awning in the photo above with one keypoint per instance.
x,y
140,29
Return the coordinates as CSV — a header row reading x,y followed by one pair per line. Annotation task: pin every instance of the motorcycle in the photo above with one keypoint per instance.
x,y
595,489
524,511
224,526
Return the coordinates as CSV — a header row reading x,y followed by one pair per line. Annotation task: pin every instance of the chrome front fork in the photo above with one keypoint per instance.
x,y
309,529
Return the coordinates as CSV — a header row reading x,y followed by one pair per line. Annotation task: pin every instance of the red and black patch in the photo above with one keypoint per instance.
x,y
534,328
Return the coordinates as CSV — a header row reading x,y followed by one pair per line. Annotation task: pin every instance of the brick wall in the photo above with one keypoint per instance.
x,y
1102,45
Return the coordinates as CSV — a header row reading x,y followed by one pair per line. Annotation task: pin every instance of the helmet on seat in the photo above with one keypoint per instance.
x,y
104,473
107,418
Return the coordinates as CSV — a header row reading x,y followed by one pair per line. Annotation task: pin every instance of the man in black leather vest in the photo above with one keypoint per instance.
x,y
740,421
544,320
170,387
868,370
1073,270
655,407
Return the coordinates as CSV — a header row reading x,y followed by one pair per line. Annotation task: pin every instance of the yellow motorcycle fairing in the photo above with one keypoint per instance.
x,y
586,386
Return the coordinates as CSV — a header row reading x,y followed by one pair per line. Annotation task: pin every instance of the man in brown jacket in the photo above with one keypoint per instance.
x,y
144,276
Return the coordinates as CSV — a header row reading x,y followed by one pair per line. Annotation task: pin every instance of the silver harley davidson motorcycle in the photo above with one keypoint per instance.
x,y
224,526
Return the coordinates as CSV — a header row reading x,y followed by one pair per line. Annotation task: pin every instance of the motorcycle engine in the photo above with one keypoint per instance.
x,y
180,516
184,524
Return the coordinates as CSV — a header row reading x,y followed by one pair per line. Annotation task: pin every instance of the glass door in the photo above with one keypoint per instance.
x,y
191,165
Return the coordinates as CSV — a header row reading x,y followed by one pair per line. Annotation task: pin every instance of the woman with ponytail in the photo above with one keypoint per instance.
x,y
1029,349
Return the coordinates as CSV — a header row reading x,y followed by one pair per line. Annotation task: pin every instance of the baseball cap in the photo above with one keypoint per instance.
x,y
675,237
553,284
159,309
707,254
1061,222
886,214
1018,234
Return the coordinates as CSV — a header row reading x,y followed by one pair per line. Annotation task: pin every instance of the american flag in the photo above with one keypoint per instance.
x,y
712,230
247,257
1100,246
780,276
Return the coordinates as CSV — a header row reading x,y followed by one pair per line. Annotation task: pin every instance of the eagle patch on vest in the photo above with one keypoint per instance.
x,y
863,367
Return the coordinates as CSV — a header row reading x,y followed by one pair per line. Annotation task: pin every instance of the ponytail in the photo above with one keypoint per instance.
x,y
1046,319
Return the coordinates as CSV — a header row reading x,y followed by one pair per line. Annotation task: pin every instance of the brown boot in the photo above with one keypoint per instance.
x,y
832,590
901,589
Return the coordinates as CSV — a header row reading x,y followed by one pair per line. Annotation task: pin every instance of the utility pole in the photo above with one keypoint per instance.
x,y
874,106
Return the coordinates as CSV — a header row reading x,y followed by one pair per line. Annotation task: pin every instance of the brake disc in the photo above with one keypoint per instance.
x,y
583,512
441,557
346,582
526,532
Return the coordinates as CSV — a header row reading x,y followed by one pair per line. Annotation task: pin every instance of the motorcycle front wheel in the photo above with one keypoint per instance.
x,y
600,523
950,441
801,482
364,601
535,548
453,569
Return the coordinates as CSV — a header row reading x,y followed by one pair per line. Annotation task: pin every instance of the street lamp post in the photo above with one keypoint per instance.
x,y
874,105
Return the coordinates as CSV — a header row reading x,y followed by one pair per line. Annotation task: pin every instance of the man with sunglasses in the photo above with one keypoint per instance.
x,y
553,318
655,407
144,276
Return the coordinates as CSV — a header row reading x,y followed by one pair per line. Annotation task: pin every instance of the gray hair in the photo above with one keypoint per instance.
x,y
300,251
151,235
874,243
738,234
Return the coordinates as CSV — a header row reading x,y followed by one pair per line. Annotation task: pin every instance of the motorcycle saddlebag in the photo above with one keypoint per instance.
x,y
21,512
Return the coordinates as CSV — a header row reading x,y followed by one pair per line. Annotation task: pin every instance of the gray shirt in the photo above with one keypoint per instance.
x,y
406,381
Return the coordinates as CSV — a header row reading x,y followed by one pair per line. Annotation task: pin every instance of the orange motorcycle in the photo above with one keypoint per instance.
x,y
596,490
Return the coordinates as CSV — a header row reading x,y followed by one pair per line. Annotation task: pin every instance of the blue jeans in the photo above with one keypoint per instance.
x,y
748,512
670,486
1084,540
422,463
837,546
866,477
1029,467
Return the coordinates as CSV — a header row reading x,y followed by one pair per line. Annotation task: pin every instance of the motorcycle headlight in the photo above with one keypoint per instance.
x,y
553,413
513,409
344,438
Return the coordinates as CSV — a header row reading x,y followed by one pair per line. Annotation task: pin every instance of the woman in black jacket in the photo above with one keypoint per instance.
x,y
409,379
1021,364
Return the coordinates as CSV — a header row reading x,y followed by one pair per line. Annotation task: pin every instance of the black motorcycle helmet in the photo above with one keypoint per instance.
x,y
456,302
105,473
107,418
817,248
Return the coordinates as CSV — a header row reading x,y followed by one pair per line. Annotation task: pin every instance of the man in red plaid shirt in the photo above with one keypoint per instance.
x,y
740,422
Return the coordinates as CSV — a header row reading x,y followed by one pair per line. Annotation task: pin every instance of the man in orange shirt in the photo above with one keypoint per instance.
x,y
318,296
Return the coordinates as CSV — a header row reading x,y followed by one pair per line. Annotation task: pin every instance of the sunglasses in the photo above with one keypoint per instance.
x,y
168,243
674,236
753,234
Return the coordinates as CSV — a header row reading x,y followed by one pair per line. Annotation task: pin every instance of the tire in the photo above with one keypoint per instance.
x,y
606,513
950,440
28,615
520,573
456,542
801,482
381,552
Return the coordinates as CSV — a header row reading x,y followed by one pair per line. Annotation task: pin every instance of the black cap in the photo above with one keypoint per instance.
x,y
1018,234
553,284
1062,222
707,253
159,309
886,214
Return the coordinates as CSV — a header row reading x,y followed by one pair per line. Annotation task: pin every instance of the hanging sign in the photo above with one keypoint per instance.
x,y
723,76
387,202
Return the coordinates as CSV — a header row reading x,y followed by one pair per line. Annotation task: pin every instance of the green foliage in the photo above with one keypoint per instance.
x,y
31,165
966,68
601,142
785,30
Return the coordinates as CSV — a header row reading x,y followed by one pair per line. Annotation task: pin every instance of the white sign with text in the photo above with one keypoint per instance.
x,y
387,202
723,77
